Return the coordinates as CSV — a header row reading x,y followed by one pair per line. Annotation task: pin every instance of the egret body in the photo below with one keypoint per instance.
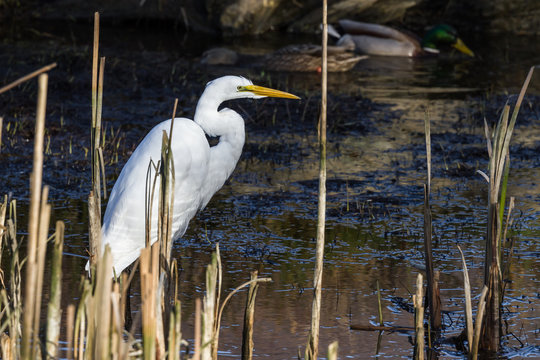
x,y
200,170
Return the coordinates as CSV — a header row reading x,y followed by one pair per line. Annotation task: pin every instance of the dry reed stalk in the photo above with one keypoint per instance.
x,y
70,330
249,316
473,354
197,330
7,344
80,333
166,202
312,348
433,297
54,311
209,308
28,347
94,198
381,322
222,307
333,351
13,306
149,261
468,302
419,318
119,348
94,227
175,333
1,126
45,214
165,214
217,309
97,160
27,77
101,322
95,55
3,209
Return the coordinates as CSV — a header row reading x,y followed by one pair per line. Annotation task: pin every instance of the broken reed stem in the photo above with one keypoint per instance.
x,y
209,308
312,348
149,269
197,330
70,319
468,302
166,196
249,317
222,307
419,318
102,305
98,147
94,198
333,351
380,305
54,311
473,355
27,77
14,305
175,333
28,348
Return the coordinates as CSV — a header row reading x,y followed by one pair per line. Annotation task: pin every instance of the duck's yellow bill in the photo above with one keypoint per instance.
x,y
264,91
460,46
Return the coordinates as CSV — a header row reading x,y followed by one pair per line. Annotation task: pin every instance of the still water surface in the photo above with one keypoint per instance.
x,y
265,217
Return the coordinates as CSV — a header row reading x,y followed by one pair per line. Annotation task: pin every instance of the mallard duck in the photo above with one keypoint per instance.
x,y
293,58
374,39
307,58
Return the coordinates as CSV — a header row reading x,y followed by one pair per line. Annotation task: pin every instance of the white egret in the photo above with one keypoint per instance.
x,y
200,170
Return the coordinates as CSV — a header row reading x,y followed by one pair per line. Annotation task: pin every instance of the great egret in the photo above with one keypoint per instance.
x,y
200,170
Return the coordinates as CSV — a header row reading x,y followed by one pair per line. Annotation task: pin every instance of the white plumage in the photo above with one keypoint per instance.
x,y
200,170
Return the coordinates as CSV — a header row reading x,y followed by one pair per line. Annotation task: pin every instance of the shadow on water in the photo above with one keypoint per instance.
x,y
265,216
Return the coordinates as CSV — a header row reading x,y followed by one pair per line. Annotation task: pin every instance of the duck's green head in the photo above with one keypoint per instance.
x,y
444,35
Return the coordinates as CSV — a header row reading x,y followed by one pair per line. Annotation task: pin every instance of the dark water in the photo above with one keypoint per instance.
x,y
265,216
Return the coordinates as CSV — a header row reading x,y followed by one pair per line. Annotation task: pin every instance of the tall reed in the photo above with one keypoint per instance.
x,y
54,312
97,162
419,318
498,149
249,318
11,301
312,348
38,225
433,295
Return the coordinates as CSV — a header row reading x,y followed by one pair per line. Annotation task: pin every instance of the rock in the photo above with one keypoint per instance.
x,y
251,17
219,56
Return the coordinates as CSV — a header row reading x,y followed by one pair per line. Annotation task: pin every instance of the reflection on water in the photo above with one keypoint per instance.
x,y
265,216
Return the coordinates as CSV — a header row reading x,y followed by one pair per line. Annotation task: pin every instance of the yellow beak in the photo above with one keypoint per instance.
x,y
460,45
263,91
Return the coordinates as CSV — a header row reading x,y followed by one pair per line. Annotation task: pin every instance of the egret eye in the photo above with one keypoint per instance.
x,y
239,88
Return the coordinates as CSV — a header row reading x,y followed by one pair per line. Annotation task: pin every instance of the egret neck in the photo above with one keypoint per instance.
x,y
226,124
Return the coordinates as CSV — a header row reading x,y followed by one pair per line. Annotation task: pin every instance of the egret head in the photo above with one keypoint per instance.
x,y
237,87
